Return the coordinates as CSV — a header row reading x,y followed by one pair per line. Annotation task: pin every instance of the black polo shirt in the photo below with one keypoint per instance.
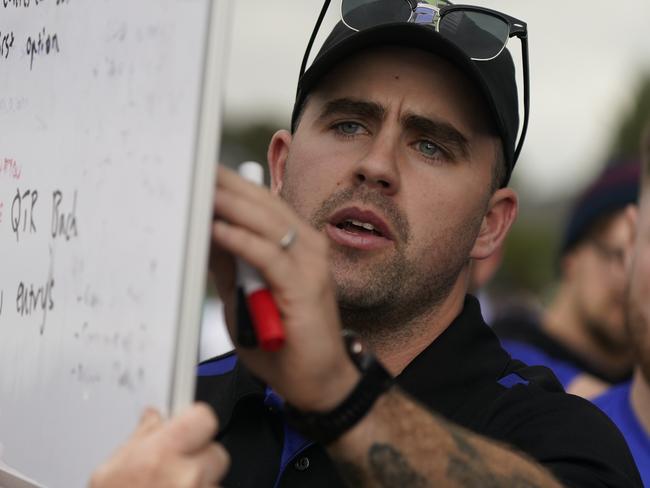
x,y
463,375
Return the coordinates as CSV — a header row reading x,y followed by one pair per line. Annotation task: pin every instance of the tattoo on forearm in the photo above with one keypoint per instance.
x,y
476,473
390,468
468,468
462,442
448,455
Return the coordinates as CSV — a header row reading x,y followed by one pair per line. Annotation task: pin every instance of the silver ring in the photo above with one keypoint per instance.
x,y
288,239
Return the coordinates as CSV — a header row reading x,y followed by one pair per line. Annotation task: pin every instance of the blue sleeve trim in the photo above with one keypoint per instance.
x,y
511,380
218,366
532,356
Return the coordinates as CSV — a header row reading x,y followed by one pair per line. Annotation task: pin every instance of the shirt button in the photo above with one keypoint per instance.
x,y
302,464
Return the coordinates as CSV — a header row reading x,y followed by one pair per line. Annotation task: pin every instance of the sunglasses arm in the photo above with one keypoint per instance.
x,y
314,33
524,128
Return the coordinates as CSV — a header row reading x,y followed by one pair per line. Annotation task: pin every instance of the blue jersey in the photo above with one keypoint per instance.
x,y
535,356
615,402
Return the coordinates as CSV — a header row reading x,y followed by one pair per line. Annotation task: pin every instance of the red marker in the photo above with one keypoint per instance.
x,y
258,317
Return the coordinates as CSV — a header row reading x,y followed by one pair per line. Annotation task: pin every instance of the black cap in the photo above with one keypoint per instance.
x,y
616,188
495,79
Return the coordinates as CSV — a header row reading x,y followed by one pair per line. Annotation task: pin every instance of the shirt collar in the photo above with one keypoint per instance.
x,y
466,354
234,387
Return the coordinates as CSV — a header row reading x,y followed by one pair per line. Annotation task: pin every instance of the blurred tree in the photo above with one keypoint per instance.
x,y
625,145
529,259
530,251
247,143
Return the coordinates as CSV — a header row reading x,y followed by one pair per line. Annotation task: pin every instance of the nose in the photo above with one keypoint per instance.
x,y
379,167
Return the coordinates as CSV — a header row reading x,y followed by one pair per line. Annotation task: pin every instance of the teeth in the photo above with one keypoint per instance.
x,y
365,225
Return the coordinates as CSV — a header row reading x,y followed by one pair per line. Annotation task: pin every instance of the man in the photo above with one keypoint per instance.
x,y
628,405
392,180
581,334
400,150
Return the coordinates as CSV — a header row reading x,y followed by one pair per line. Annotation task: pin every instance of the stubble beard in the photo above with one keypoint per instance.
x,y
389,299
391,303
605,336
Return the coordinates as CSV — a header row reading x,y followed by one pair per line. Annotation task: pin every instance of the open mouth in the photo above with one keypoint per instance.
x,y
358,227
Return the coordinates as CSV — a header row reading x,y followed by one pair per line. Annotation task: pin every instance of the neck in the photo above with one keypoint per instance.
x,y
398,347
563,323
640,399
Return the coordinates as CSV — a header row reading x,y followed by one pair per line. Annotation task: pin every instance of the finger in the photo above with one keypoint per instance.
x,y
149,422
244,211
264,218
230,180
255,194
192,430
263,213
215,462
259,252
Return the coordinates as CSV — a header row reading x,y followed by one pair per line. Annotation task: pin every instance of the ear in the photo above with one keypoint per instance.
x,y
501,214
277,155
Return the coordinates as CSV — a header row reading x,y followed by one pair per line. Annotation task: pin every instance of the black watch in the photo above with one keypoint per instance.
x,y
326,427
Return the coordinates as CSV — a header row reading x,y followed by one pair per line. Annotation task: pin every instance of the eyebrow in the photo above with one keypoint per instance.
x,y
439,130
353,107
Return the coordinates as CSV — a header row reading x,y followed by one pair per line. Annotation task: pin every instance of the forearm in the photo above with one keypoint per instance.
x,y
399,443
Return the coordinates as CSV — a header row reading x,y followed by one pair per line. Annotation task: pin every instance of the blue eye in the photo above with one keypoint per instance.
x,y
348,128
428,148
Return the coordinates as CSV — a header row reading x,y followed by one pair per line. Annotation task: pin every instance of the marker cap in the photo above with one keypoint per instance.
x,y
266,320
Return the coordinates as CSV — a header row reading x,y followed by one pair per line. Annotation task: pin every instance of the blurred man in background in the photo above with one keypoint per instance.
x,y
581,334
628,405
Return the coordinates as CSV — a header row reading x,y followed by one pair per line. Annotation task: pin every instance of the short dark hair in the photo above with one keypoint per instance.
x,y
300,111
499,172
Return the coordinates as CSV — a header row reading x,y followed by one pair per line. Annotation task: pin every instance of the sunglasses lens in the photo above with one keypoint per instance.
x,y
362,14
482,36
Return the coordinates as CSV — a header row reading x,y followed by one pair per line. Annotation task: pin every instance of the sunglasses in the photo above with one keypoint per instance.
x,y
481,33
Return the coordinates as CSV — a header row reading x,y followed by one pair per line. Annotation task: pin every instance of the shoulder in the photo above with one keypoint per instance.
x,y
565,433
217,385
225,384
531,354
217,366
215,377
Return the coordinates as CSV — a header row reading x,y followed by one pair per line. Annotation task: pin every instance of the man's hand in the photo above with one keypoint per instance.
x,y
178,453
312,370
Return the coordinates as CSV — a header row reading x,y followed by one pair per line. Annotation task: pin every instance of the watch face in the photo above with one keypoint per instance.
x,y
354,346
325,427
357,350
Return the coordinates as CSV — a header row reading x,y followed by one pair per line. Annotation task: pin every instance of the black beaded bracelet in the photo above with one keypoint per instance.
x,y
326,427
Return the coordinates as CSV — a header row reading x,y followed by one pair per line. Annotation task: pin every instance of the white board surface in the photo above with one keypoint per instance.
x,y
109,122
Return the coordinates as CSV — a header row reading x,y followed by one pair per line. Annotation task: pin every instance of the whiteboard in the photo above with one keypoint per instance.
x,y
109,125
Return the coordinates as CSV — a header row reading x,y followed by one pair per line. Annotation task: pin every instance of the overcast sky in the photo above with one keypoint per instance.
x,y
586,58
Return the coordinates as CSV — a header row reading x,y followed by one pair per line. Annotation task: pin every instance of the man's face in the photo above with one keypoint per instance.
x,y
393,161
598,278
639,289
